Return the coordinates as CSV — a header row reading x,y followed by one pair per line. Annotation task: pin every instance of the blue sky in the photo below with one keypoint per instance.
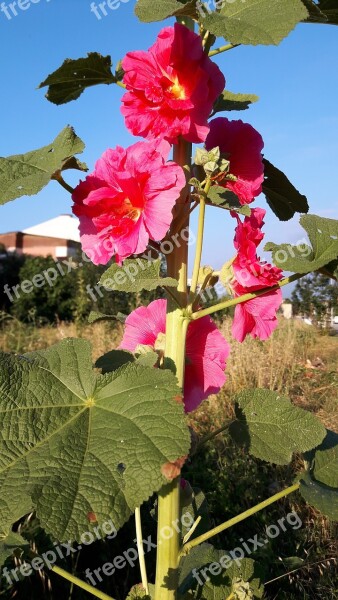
x,y
297,113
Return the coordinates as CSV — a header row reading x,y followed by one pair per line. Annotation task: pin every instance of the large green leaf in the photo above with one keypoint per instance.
x,y
326,460
230,101
148,11
323,236
321,496
255,21
282,197
135,275
74,76
220,586
80,443
27,174
272,428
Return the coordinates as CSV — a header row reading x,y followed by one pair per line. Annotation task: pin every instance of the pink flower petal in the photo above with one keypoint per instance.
x,y
206,349
243,145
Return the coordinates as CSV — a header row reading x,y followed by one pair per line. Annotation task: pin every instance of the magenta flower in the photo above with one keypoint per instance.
x,y
256,317
127,200
206,349
243,146
171,87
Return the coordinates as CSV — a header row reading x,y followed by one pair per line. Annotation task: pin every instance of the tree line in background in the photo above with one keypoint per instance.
x,y
68,298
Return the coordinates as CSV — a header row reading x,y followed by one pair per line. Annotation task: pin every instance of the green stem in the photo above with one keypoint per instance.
x,y
58,177
199,242
139,539
199,246
248,513
245,297
81,584
166,582
223,49
120,84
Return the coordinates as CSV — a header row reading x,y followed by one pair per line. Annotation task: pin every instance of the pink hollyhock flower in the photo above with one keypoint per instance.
x,y
243,145
127,200
257,316
206,349
249,270
171,88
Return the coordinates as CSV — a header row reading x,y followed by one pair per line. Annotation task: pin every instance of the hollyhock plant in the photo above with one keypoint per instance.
x,y
171,87
243,146
127,200
206,349
256,317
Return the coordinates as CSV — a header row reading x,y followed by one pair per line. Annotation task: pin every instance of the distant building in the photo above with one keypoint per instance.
x,y
57,237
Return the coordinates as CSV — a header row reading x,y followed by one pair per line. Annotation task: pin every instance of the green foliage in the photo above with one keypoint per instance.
x,y
11,543
26,174
282,197
319,485
220,196
326,460
148,12
323,236
255,21
136,275
113,360
321,496
45,302
219,586
315,296
272,428
126,426
95,316
230,101
10,265
70,80
69,296
325,11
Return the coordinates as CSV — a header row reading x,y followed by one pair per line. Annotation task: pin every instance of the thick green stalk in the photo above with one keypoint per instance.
x,y
248,513
176,328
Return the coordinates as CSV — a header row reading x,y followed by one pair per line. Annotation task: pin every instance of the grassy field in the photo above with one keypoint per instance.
x,y
299,362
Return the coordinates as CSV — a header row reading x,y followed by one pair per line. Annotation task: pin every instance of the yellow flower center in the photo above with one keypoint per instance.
x,y
128,210
177,90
